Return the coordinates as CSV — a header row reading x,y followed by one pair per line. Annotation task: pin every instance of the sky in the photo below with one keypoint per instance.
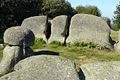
x,y
107,7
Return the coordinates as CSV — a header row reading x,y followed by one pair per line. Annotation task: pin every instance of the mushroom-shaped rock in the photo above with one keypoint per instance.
x,y
19,36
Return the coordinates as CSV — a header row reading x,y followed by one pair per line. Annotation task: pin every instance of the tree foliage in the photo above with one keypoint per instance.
x,y
12,12
116,19
88,10
20,9
54,8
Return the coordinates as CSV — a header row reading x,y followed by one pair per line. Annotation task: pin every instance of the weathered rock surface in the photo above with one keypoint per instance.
x,y
117,44
59,29
38,24
100,71
43,67
107,20
19,36
89,28
11,55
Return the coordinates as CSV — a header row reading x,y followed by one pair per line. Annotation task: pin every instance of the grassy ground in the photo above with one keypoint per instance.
x,y
80,53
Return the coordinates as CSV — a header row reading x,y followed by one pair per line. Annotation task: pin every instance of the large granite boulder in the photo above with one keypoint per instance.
x,y
100,71
11,55
59,29
38,24
89,28
19,36
43,67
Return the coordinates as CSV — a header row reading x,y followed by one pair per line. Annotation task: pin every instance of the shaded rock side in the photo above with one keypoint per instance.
x,y
100,71
19,36
59,29
89,28
38,24
43,67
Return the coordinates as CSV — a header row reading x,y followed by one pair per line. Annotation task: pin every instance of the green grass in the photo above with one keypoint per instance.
x,y
81,53
39,43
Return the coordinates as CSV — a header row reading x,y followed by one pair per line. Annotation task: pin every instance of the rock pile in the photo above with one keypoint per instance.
x,y
18,40
82,28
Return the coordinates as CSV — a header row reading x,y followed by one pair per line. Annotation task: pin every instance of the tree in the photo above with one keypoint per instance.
x,y
13,12
88,10
20,9
54,8
116,19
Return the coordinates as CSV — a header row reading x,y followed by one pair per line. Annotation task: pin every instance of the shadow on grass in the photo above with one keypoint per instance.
x,y
45,52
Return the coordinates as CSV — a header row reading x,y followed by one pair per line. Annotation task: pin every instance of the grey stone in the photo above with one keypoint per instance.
x,y
59,29
43,67
117,44
89,28
100,71
11,55
38,24
19,36
107,20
